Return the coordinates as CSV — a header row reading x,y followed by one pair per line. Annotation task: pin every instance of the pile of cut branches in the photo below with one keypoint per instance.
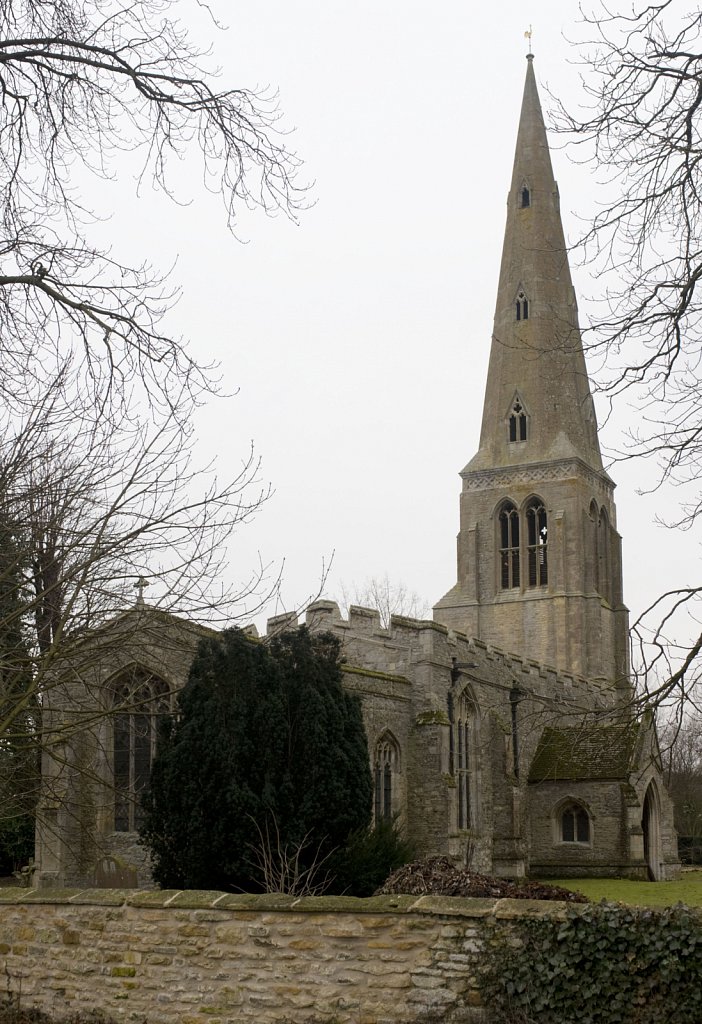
x,y
437,876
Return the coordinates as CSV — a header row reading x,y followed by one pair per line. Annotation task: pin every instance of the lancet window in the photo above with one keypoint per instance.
x,y
509,546
517,422
524,197
522,306
386,766
602,550
604,574
463,755
140,700
523,545
537,543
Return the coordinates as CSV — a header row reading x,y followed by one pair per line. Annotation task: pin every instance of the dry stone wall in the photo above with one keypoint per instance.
x,y
196,957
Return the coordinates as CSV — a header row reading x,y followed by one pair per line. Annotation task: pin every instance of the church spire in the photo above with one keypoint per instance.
x,y
538,405
539,556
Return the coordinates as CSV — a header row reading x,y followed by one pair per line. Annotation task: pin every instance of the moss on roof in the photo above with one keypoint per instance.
x,y
585,752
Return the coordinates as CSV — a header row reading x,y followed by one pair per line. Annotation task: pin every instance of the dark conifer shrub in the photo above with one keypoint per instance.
x,y
368,858
266,742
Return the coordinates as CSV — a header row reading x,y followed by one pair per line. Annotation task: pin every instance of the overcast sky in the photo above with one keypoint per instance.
x,y
357,341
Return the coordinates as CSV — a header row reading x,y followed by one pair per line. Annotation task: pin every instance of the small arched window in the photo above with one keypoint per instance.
x,y
508,525
522,307
537,543
386,766
574,824
140,700
524,197
517,422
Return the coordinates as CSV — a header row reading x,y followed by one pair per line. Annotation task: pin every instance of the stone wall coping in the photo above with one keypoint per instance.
x,y
178,899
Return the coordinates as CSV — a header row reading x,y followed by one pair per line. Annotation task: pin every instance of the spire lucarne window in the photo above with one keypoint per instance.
x,y
522,306
524,197
517,422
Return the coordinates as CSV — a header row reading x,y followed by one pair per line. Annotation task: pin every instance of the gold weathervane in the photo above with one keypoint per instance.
x,y
527,36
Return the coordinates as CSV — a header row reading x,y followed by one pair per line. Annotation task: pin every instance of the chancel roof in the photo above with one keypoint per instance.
x,y
585,752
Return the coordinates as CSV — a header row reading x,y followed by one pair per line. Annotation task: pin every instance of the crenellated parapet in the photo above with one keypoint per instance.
x,y
427,653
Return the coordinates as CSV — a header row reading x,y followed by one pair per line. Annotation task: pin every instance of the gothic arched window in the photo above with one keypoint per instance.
x,y
386,766
524,197
517,422
537,546
508,525
140,699
603,556
464,745
574,824
522,306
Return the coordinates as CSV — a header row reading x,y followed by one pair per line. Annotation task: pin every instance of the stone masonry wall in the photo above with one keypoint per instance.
x,y
194,957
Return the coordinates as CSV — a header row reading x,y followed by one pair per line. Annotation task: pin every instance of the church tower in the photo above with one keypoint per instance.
x,y
539,557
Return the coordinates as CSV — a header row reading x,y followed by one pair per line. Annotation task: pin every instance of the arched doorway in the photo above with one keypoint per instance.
x,y
651,824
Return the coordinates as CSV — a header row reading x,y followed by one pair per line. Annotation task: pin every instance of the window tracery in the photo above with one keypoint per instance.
x,y
509,546
523,543
574,824
386,765
517,422
463,752
522,306
139,701
537,543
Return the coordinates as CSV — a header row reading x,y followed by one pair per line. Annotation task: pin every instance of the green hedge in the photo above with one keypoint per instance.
x,y
604,964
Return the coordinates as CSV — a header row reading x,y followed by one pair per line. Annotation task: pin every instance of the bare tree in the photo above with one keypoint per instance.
x,y
682,754
88,512
282,866
385,596
642,130
100,486
82,83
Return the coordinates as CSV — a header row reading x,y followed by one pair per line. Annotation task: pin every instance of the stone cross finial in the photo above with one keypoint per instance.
x,y
140,584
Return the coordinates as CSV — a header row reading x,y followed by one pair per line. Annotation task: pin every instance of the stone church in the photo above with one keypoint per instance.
x,y
501,732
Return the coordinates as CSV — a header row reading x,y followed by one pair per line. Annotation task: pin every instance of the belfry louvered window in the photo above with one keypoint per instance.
x,y
509,546
604,556
537,548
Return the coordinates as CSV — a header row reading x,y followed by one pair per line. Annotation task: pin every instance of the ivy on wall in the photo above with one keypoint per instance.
x,y
602,964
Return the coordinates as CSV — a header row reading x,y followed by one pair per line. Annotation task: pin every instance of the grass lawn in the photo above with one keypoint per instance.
x,y
688,889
